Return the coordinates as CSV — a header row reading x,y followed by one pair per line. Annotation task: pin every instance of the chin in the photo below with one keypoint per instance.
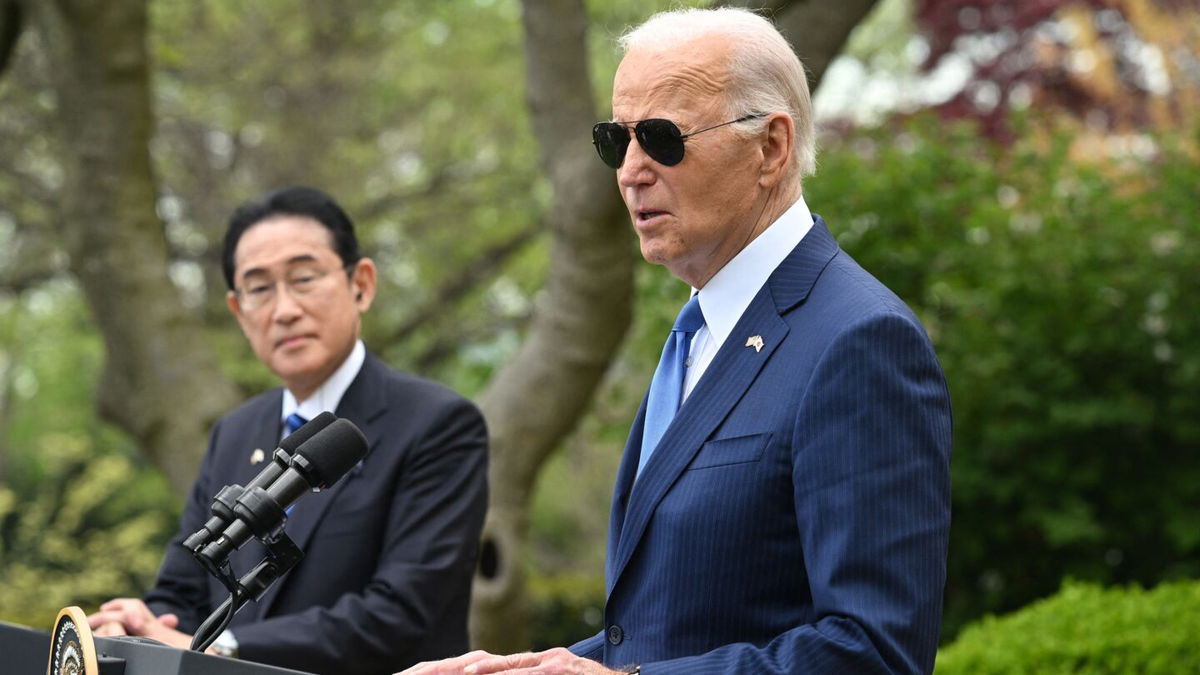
x,y
294,369
653,253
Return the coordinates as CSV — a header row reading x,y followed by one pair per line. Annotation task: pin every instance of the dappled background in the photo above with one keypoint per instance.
x,y
1023,174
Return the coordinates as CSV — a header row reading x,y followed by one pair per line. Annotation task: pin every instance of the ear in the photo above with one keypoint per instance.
x,y
235,308
778,143
363,282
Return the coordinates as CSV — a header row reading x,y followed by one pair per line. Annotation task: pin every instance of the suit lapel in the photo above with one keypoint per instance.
x,y
621,491
363,404
723,384
263,435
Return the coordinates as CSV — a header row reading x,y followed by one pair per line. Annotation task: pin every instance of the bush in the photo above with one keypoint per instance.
x,y
1089,630
80,540
565,608
1060,296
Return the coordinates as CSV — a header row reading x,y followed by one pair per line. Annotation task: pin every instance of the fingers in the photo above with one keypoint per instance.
x,y
169,620
452,666
557,661
501,664
131,612
108,629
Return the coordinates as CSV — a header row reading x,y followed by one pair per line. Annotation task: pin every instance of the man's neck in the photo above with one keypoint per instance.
x,y
327,392
775,203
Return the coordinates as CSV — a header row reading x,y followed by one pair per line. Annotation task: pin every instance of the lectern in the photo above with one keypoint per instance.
x,y
24,651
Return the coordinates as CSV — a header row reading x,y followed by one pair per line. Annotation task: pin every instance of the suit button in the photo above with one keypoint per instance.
x,y
615,634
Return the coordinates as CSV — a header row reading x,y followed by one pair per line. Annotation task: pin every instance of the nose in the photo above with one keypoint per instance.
x,y
286,309
638,168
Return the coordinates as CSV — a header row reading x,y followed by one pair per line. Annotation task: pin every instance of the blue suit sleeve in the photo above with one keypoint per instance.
x,y
590,648
871,490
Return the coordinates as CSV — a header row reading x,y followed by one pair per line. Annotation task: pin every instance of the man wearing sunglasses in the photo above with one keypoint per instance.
x,y
390,549
782,505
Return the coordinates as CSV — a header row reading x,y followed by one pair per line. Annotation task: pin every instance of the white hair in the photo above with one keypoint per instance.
x,y
766,74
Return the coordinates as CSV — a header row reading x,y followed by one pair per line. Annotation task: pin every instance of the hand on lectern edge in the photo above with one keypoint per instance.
x,y
131,616
557,661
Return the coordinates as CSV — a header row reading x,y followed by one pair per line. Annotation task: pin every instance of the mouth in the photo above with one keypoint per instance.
x,y
647,216
291,341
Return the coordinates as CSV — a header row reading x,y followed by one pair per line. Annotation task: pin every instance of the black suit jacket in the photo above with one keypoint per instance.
x,y
389,550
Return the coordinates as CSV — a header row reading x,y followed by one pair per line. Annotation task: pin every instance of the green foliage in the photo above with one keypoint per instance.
x,y
565,608
1086,629
83,517
1057,294
81,538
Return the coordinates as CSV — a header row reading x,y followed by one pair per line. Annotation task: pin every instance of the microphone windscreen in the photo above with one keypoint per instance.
x,y
295,439
333,451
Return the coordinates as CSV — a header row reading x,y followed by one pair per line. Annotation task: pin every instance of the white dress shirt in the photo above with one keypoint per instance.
x,y
727,295
329,394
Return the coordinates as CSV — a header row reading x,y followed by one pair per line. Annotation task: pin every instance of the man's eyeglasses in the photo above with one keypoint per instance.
x,y
301,281
660,138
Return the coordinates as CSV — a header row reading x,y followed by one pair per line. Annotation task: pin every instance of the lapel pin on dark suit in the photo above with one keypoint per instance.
x,y
257,456
756,342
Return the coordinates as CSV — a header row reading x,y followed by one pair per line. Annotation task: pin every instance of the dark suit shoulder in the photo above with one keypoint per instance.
x,y
413,390
856,292
252,410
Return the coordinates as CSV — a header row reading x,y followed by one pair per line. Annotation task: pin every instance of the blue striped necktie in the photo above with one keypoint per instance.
x,y
292,423
666,389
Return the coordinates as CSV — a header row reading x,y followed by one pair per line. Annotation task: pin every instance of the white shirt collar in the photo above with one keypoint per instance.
x,y
727,295
329,394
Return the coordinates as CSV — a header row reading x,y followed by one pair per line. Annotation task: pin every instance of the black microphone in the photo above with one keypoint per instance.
x,y
226,499
317,464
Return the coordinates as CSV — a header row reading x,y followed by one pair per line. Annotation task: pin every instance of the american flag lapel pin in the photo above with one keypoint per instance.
x,y
756,342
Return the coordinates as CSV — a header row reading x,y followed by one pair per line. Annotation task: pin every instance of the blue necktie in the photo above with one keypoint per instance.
x,y
292,423
666,389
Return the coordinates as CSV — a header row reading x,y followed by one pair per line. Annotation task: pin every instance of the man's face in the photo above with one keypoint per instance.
x,y
695,216
303,328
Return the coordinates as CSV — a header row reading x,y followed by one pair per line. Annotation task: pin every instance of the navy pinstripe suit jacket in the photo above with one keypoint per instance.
x,y
794,518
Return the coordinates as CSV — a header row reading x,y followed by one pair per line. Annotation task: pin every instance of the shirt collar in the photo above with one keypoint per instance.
x,y
329,394
727,295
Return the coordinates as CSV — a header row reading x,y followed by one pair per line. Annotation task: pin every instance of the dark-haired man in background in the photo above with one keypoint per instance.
x,y
389,550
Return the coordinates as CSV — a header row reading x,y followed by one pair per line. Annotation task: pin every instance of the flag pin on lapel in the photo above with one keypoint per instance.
x,y
257,456
756,342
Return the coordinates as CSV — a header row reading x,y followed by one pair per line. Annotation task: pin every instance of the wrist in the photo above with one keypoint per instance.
x,y
225,645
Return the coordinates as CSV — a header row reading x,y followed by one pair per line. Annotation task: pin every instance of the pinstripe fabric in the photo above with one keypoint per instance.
x,y
794,517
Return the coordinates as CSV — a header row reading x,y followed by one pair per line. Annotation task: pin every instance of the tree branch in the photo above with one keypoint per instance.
x,y
816,29
483,267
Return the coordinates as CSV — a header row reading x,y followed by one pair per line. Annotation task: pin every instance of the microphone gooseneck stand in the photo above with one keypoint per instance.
x,y
282,555
266,520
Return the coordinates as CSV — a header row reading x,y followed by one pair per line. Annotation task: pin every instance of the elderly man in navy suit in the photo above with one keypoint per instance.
x,y
390,549
783,503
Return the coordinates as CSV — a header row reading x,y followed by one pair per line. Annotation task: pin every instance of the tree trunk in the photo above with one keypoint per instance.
x,y
580,319
160,382
818,30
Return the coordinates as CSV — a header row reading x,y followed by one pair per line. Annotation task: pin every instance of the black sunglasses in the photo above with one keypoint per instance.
x,y
660,139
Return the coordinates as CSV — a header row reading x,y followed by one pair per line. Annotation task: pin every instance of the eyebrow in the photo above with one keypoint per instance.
x,y
302,258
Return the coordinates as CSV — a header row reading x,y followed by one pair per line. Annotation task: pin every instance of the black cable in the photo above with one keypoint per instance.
x,y
206,634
